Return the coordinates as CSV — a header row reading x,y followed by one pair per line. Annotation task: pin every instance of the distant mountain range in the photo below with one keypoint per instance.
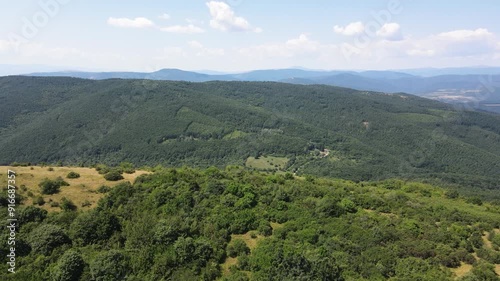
x,y
477,87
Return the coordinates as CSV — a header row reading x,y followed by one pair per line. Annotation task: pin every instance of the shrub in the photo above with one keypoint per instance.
x,y
39,201
265,228
49,186
92,227
32,214
113,176
237,248
102,169
103,189
67,205
50,169
73,175
69,267
110,265
127,167
44,239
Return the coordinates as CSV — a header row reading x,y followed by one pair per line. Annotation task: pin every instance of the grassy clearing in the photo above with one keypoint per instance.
x,y
462,270
267,163
251,243
80,190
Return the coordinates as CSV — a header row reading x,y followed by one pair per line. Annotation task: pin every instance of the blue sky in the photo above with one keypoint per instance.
x,y
239,35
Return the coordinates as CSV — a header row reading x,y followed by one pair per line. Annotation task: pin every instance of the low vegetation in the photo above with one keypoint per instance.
x,y
236,224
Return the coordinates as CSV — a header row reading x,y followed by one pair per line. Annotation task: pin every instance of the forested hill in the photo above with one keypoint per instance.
x,y
321,130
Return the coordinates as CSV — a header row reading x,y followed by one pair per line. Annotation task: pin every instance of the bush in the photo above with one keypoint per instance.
x,y
44,239
32,214
51,186
39,201
127,167
102,169
92,227
67,205
237,248
103,189
50,169
474,200
113,176
69,267
110,265
73,175
265,228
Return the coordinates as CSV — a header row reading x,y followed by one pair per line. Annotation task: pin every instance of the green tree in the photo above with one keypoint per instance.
x,y
69,267
109,266
45,238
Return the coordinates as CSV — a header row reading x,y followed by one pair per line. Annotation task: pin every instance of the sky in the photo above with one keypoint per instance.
x,y
242,35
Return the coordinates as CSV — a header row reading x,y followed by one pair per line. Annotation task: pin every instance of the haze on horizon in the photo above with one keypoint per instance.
x,y
240,35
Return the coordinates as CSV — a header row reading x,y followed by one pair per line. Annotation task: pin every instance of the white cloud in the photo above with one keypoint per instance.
x,y
466,35
351,29
465,43
390,31
185,29
202,51
164,16
300,46
224,18
139,22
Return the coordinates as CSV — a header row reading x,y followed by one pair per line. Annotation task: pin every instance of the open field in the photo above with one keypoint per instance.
x,y
266,163
79,191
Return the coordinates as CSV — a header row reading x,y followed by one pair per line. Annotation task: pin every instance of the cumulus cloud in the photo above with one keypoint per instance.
x,y
139,22
390,31
463,43
351,29
224,18
185,29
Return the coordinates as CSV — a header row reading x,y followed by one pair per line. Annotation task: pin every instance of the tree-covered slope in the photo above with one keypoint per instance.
x,y
320,130
188,224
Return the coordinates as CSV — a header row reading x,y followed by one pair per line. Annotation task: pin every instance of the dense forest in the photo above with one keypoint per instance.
x,y
318,130
237,224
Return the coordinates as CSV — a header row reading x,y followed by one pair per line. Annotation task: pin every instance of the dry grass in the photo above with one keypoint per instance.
x,y
251,243
227,264
247,238
275,225
497,269
266,162
462,270
487,242
80,190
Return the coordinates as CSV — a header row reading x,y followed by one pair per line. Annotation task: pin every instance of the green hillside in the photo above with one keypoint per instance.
x,y
319,130
236,224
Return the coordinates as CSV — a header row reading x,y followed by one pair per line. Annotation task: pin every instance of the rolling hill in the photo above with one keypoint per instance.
x,y
320,130
478,90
